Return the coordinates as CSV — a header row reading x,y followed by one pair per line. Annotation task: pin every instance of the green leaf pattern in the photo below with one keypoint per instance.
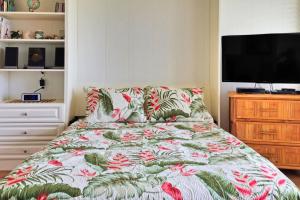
x,y
169,104
117,105
178,160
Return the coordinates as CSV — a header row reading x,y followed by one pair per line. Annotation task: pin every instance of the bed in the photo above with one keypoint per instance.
x,y
151,160
180,160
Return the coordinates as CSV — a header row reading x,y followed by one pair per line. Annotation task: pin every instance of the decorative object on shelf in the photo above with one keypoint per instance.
x,y
16,34
4,28
33,5
52,37
11,5
62,34
60,7
36,58
11,57
3,5
6,36
28,35
39,35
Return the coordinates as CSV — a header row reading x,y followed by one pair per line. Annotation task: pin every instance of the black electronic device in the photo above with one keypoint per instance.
x,y
37,58
35,97
284,91
264,58
60,57
251,90
11,57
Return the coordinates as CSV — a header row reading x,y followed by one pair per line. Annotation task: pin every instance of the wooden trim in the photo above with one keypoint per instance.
x,y
265,96
273,143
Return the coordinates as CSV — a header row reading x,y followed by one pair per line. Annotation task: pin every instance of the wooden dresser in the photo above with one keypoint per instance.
x,y
270,124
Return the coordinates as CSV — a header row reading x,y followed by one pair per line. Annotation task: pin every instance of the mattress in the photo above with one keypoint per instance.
x,y
180,160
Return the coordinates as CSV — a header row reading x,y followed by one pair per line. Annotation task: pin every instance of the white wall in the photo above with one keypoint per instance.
x,y
140,42
255,17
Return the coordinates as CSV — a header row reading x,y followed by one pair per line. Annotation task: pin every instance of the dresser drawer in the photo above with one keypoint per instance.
x,y
268,132
260,109
281,156
272,153
30,129
24,113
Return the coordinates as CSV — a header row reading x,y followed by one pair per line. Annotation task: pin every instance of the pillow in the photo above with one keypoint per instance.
x,y
115,105
167,104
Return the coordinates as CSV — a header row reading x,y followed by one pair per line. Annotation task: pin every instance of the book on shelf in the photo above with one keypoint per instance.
x,y
1,5
4,28
7,6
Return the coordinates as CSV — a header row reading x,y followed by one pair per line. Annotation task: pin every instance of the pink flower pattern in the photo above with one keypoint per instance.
x,y
118,162
87,173
147,156
129,137
181,169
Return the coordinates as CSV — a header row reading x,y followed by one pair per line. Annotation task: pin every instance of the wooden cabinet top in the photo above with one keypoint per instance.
x,y
265,96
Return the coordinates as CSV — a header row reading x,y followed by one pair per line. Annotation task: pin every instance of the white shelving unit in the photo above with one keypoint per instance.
x,y
50,22
42,119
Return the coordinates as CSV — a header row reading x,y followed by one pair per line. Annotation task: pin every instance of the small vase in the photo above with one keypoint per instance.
x,y
33,5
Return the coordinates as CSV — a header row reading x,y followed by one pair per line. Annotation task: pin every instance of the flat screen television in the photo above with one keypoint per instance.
x,y
265,58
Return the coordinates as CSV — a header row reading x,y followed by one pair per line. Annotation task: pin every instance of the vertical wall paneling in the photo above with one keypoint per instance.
x,y
141,42
214,60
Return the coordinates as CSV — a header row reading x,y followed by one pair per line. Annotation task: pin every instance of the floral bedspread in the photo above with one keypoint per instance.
x,y
147,161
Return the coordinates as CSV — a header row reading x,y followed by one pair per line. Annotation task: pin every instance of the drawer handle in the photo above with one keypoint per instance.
x,y
270,132
268,110
25,114
25,151
25,133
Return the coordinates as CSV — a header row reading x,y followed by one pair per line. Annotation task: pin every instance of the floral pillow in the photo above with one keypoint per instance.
x,y
167,104
115,105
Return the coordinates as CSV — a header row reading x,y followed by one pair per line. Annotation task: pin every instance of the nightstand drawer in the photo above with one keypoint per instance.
x,y
268,132
23,113
260,109
30,129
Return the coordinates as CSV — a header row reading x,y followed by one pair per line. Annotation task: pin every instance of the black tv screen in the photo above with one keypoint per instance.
x,y
266,58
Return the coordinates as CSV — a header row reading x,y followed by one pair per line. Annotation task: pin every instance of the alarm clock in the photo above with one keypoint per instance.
x,y
36,97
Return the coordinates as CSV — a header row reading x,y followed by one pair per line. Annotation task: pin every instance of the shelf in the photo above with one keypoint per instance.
x,y
33,15
39,41
32,70
7,102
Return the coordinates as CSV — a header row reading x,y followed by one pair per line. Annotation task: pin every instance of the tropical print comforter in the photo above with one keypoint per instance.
x,y
147,161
